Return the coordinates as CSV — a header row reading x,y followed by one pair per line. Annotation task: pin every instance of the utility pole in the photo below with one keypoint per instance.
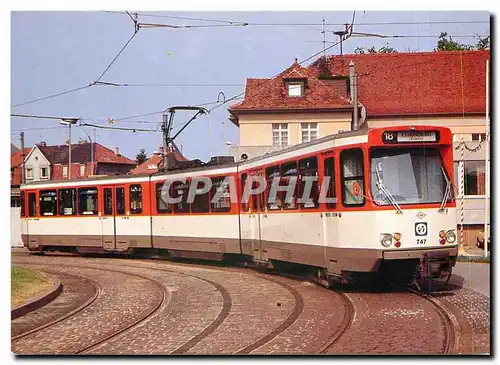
x,y
23,173
487,166
69,122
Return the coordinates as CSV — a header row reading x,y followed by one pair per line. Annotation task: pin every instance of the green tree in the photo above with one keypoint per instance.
x,y
141,156
384,49
448,44
483,43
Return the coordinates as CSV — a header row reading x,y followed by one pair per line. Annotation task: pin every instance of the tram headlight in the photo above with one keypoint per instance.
x,y
385,239
451,237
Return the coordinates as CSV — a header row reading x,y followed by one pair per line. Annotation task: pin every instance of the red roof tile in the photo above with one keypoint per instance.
x,y
427,83
16,158
81,153
390,84
271,94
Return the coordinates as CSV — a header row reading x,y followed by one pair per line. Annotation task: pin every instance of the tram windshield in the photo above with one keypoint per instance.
x,y
408,176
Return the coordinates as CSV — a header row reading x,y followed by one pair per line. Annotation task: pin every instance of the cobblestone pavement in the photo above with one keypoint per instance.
x,y
472,313
209,309
76,292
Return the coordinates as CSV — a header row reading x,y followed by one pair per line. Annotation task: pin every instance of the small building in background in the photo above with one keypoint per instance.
x,y
155,162
52,162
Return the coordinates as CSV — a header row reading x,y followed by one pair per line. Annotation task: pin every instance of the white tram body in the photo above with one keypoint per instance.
x,y
391,202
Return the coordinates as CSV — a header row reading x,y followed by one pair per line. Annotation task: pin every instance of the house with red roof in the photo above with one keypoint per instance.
x,y
155,162
44,162
15,174
304,103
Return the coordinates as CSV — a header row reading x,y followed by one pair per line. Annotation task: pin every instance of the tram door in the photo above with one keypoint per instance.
x,y
29,224
257,205
108,219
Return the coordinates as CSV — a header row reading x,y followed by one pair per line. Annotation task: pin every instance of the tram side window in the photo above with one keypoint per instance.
x,y
48,202
67,201
120,200
32,204
308,170
108,201
87,201
352,177
161,198
180,189
243,183
23,212
330,173
135,198
288,170
271,173
223,204
201,202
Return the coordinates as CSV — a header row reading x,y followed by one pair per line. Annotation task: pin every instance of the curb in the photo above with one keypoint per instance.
x,y
38,302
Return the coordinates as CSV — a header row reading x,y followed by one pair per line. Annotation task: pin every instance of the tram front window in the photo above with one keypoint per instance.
x,y
408,176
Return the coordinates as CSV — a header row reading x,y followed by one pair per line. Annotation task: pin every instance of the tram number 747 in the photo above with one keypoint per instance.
x,y
421,241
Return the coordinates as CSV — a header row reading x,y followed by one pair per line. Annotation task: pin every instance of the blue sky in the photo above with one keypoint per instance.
x,y
56,51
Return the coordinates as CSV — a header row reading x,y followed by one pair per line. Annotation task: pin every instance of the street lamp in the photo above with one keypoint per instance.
x,y
69,122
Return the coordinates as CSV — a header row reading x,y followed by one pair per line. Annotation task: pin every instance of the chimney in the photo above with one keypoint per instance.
x,y
160,149
354,95
117,151
43,144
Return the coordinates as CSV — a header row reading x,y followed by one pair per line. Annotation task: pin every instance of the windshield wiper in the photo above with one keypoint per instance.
x,y
387,193
447,192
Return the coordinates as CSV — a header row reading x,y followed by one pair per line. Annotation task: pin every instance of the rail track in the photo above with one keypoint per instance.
x,y
82,350
448,320
257,345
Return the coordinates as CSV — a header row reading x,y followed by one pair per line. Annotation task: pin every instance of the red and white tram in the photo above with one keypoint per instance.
x,y
390,206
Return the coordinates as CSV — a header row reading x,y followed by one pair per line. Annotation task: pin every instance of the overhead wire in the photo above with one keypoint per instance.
x,y
118,128
301,24
85,86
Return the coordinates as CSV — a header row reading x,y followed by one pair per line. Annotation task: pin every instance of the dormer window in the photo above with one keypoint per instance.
x,y
295,88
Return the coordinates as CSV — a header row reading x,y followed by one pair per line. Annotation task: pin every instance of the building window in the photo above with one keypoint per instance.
x,y
478,136
48,202
295,89
135,196
67,201
87,201
65,171
309,132
474,177
44,173
82,170
29,174
280,134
